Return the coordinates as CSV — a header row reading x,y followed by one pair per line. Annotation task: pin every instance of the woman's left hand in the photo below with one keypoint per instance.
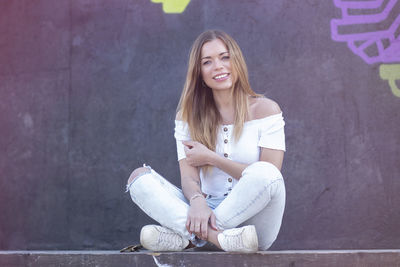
x,y
197,154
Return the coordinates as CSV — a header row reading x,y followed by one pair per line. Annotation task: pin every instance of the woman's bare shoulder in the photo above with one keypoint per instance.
x,y
178,116
262,107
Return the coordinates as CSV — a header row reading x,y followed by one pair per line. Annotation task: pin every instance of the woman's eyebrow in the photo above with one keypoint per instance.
x,y
220,54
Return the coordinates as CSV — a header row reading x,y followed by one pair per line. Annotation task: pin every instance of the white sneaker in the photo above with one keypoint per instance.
x,y
242,239
158,238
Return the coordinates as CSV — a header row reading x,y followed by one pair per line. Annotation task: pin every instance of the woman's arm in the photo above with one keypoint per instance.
x,y
273,156
199,214
235,169
199,155
190,179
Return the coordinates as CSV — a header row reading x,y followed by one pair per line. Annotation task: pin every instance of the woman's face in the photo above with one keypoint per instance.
x,y
216,65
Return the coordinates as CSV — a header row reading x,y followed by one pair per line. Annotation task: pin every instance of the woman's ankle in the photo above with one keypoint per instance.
x,y
213,237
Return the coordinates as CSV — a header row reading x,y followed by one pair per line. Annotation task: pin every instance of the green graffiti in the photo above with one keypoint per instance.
x,y
391,73
173,6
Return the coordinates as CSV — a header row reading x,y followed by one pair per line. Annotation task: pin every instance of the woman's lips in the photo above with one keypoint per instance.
x,y
221,77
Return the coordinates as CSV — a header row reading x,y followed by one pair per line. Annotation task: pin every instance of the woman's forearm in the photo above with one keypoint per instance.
x,y
235,169
231,167
190,187
190,179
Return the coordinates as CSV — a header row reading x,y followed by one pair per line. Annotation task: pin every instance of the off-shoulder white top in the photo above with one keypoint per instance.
x,y
267,132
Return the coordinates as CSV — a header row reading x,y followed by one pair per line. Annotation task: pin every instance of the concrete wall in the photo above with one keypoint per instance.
x,y
88,91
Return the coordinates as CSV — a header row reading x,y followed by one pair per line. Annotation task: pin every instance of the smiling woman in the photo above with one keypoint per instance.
x,y
216,65
230,145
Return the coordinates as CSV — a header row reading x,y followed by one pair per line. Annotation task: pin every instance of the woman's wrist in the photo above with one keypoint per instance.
x,y
197,200
197,195
212,158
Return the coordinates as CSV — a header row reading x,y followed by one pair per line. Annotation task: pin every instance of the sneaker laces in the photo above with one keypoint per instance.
x,y
168,239
234,240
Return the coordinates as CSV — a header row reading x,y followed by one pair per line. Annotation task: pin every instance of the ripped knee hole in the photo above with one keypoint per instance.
x,y
138,172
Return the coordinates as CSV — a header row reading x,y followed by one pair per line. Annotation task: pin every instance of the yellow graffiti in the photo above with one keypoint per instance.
x,y
391,73
173,6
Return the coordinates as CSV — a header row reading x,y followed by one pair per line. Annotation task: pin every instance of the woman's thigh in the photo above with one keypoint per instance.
x,y
268,221
259,196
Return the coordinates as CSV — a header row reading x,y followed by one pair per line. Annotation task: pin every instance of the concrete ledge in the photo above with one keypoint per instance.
x,y
309,258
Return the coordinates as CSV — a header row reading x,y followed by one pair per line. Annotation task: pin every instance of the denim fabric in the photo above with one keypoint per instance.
x,y
258,199
213,202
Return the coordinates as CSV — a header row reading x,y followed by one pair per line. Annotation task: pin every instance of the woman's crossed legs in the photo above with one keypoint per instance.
x,y
257,199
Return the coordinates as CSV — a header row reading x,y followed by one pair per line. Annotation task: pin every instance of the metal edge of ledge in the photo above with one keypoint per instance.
x,y
283,258
116,252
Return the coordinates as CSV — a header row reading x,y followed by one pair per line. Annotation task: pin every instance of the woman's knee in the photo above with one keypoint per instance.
x,y
263,171
138,172
266,241
265,246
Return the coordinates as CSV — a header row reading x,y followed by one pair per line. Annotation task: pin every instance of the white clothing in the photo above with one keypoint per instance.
x,y
258,199
267,132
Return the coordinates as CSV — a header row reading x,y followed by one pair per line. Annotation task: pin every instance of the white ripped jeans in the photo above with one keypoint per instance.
x,y
257,199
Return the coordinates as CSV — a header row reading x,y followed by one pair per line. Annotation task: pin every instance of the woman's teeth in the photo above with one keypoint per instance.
x,y
221,76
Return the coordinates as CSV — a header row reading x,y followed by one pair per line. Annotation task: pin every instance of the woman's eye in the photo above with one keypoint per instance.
x,y
206,62
225,57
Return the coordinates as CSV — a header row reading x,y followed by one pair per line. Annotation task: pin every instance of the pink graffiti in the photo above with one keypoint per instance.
x,y
358,25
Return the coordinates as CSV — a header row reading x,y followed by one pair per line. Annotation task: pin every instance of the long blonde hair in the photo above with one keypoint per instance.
x,y
197,106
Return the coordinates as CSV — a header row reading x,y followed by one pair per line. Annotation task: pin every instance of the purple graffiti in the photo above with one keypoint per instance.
x,y
358,27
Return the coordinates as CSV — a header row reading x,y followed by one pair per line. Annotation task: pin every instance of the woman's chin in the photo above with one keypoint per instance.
x,y
221,87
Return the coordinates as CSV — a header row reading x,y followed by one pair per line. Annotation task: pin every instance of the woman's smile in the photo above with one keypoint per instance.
x,y
221,77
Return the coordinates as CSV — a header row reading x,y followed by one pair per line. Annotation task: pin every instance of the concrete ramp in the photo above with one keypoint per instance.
x,y
309,258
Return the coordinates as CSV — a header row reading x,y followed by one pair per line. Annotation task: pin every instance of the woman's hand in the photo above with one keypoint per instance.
x,y
199,216
197,154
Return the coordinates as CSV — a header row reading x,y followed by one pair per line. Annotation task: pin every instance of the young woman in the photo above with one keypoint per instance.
x,y
230,144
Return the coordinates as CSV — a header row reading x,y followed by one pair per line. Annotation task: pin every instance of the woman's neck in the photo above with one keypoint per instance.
x,y
225,104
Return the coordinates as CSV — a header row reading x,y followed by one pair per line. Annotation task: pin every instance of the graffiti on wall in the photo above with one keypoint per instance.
x,y
173,6
371,29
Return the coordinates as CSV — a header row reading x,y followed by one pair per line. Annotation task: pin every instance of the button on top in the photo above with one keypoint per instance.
x,y
226,141
230,179
225,155
225,129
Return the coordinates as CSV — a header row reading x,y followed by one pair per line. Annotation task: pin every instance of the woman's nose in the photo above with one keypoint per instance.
x,y
218,64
